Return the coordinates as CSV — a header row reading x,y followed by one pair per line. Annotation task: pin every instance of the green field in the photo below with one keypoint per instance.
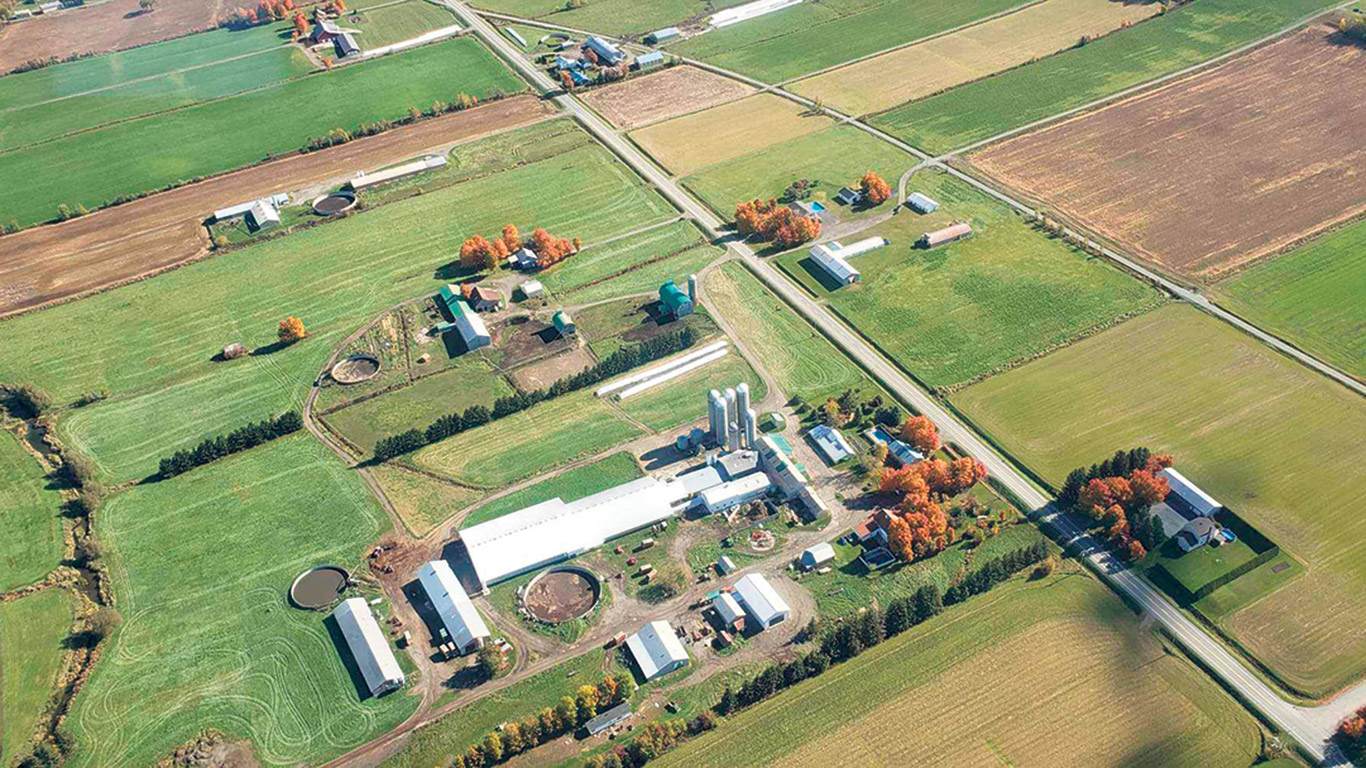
x,y
609,17
388,24
1311,297
965,309
812,36
684,399
1197,568
150,343
630,265
202,565
802,362
528,443
1183,37
1052,654
570,485
31,538
32,631
148,154
420,501
835,157
470,382
1276,443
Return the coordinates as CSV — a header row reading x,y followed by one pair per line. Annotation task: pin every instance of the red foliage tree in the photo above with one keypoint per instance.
x,y
1096,493
899,539
875,190
477,253
965,473
1148,488
1136,551
300,25
1158,463
921,434
512,237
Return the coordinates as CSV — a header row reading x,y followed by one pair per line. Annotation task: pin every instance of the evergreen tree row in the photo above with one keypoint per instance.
x,y
995,571
617,363
239,439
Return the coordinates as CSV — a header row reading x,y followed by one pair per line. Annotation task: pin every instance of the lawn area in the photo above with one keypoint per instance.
x,y
1199,567
1311,297
623,266
389,24
813,36
570,485
684,399
438,743
885,81
150,343
31,538
1053,653
101,165
32,630
739,129
703,554
610,17
421,502
469,382
833,157
207,617
528,443
1278,444
968,308
1187,35
801,361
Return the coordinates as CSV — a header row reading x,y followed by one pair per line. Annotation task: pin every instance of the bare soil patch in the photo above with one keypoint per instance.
x,y
541,375
673,92
560,596
1217,170
118,245
524,340
111,26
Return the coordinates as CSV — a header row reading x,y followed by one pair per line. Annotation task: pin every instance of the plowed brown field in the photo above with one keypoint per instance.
x,y
1214,171
111,26
131,241
673,92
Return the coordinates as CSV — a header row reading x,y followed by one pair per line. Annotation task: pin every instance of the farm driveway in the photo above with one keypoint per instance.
x,y
140,239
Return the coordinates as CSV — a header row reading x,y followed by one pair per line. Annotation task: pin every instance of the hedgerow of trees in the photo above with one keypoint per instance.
x,y
239,439
771,221
618,362
1117,494
265,12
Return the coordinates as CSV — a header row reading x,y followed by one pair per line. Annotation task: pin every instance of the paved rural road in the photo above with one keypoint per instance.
x,y
1310,727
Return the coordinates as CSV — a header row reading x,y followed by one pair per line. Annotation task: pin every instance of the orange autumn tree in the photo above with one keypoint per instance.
x,y
300,25
768,220
478,254
875,189
921,434
291,329
549,248
512,238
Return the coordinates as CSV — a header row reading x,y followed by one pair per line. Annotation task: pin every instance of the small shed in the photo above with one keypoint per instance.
x,y
482,298
761,601
345,45
728,610
525,259
608,719
818,555
649,60
724,565
921,204
531,289
662,35
564,324
946,235
262,215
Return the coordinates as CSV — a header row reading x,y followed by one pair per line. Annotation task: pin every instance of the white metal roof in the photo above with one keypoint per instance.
x,y
858,248
468,322
922,203
655,647
457,613
832,262
363,180
745,487
831,443
760,599
748,11
372,653
264,210
1190,492
553,530
532,288
699,480
727,608
820,553
241,208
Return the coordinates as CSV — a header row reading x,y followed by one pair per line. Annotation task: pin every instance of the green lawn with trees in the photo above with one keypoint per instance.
x,y
140,156
31,538
202,566
1184,36
32,632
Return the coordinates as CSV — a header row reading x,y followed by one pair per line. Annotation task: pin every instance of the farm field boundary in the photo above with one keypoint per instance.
x,y
675,92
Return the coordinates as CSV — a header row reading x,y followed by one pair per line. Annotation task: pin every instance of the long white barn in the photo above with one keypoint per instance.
x,y
458,614
374,658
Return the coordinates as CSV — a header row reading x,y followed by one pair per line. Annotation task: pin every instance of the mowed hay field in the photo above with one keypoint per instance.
x,y
1312,296
673,92
420,501
1053,672
65,98
32,630
735,130
801,361
1280,445
835,157
144,155
635,264
966,309
150,344
1268,135
202,566
391,23
935,65
609,17
31,538
813,36
1185,36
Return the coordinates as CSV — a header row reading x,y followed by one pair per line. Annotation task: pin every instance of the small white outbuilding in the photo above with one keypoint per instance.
x,y
374,658
761,601
657,650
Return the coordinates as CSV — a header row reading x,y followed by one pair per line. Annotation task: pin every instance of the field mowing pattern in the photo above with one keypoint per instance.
x,y
596,265
31,538
570,485
1311,296
202,565
731,131
31,633
150,343
1053,654
1277,443
1183,37
391,24
144,155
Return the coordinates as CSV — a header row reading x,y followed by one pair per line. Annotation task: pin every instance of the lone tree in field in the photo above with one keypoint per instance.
x,y
291,330
147,6
875,190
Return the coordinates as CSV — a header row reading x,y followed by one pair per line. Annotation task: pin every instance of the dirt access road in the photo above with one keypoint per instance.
x,y
130,242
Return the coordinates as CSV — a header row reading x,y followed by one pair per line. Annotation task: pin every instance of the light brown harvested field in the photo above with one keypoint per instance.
x,y
111,26
885,81
673,92
49,263
687,144
1222,168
